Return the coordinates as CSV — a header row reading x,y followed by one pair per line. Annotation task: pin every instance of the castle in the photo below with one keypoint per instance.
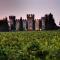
x,y
30,24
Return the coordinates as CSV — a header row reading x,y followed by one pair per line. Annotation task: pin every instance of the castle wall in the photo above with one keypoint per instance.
x,y
30,18
37,24
17,24
24,24
12,20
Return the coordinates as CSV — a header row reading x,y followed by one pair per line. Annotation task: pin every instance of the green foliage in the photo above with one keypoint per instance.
x,y
36,45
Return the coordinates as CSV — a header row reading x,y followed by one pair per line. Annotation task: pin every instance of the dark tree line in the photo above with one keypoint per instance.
x,y
50,22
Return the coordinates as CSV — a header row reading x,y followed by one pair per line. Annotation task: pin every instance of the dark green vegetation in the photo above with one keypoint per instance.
x,y
43,45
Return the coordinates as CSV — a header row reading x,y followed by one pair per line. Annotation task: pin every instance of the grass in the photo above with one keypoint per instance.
x,y
30,45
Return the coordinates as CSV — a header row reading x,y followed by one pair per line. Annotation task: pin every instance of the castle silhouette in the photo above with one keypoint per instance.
x,y
30,24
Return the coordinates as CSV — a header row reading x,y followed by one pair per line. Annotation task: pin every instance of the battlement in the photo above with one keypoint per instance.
x,y
11,17
30,15
37,19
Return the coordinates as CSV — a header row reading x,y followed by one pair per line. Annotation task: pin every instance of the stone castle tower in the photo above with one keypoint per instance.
x,y
17,24
30,22
12,22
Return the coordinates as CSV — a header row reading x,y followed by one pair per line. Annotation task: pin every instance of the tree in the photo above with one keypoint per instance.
x,y
50,22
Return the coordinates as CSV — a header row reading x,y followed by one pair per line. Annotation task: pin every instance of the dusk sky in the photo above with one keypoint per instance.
x,y
22,7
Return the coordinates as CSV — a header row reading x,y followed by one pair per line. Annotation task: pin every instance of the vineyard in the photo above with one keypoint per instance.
x,y
35,45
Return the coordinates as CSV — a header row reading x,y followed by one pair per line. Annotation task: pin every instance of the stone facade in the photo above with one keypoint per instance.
x,y
12,20
24,24
17,24
37,24
30,20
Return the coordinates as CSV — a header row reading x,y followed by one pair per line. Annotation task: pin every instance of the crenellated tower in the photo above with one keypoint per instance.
x,y
12,20
30,22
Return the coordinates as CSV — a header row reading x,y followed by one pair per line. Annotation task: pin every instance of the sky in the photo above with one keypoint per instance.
x,y
20,8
